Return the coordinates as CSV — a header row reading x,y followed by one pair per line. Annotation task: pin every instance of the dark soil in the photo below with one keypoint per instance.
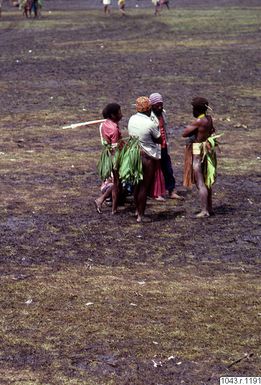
x,y
55,248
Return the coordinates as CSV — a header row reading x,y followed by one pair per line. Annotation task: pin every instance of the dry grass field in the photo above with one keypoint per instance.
x,y
89,299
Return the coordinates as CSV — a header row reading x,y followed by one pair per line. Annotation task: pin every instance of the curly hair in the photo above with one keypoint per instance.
x,y
200,104
110,110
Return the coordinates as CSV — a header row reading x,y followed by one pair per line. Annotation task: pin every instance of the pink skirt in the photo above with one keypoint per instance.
x,y
158,187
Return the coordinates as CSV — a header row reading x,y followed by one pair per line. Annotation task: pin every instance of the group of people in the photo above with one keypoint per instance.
x,y
158,5
149,125
121,5
31,7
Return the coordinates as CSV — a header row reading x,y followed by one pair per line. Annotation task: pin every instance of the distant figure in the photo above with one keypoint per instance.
x,y
121,4
40,7
25,6
106,8
34,7
164,2
156,7
1,1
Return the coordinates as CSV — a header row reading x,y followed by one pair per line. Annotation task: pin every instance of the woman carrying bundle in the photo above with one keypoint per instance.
x,y
111,135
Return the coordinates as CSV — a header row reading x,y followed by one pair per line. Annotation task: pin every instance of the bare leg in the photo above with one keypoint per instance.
x,y
175,195
122,10
203,191
135,195
210,208
26,11
107,9
143,188
99,201
157,9
116,190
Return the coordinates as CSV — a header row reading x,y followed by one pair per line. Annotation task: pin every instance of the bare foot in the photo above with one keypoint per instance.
x,y
174,195
203,214
143,219
160,199
97,206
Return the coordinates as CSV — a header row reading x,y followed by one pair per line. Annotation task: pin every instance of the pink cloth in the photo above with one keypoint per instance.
x,y
106,185
158,188
110,132
162,132
156,98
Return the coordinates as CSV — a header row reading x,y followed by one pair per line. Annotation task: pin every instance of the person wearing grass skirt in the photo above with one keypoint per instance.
x,y
111,134
143,127
200,155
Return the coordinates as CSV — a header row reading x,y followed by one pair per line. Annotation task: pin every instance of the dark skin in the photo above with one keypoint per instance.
x,y
141,190
166,2
201,128
157,108
106,9
114,190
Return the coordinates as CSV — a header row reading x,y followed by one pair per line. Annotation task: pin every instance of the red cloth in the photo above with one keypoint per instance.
x,y
162,132
110,131
158,188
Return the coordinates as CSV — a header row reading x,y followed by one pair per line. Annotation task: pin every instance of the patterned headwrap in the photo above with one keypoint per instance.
x,y
143,104
156,98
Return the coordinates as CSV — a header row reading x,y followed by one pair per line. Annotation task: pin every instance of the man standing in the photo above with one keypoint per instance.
x,y
142,126
202,143
159,115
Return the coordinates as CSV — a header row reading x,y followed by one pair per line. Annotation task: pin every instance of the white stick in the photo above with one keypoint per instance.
x,y
84,124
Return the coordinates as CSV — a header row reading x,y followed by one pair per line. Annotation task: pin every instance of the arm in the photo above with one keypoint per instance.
x,y
157,140
190,129
213,130
155,133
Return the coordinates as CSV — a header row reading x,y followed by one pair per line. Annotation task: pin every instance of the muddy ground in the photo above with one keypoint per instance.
x,y
97,299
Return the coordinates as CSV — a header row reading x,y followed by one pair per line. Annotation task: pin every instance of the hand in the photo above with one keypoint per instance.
x,y
208,146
